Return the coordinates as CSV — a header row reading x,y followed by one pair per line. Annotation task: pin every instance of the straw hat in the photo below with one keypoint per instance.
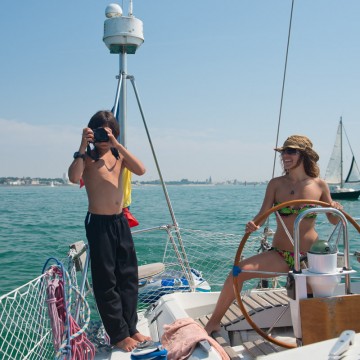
x,y
302,143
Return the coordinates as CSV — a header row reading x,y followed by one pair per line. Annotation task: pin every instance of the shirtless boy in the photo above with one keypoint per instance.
x,y
113,257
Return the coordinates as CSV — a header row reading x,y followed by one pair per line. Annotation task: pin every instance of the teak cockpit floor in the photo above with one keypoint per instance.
x,y
233,324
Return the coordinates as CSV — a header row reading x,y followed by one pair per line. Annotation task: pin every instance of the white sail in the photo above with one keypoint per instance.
x,y
333,171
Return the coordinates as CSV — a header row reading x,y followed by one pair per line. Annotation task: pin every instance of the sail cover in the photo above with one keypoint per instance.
x,y
333,171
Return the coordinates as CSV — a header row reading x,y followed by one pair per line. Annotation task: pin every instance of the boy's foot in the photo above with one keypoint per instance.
x,y
140,337
128,344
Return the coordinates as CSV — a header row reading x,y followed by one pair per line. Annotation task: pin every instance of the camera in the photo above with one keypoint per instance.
x,y
100,135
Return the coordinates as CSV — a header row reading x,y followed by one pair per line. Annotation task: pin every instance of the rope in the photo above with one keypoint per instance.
x,y
81,348
75,344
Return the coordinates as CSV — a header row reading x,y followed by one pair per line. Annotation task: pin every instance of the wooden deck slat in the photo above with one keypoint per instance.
x,y
278,297
252,349
265,346
202,320
265,304
228,349
219,339
283,295
233,314
273,300
252,303
269,299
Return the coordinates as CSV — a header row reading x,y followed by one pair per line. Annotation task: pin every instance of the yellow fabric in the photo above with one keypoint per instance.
x,y
126,181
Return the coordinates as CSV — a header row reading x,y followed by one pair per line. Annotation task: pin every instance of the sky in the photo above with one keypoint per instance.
x,y
209,76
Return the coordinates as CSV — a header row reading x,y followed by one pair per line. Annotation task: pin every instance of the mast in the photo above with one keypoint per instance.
x,y
341,154
123,35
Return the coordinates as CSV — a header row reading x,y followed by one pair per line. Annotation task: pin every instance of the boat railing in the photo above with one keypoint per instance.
x,y
345,235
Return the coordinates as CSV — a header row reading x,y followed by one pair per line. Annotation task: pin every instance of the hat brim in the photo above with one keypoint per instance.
x,y
287,147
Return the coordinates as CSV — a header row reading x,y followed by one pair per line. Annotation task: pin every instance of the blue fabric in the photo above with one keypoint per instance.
x,y
156,355
236,270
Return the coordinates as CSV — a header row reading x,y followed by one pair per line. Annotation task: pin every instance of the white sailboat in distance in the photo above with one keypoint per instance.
x,y
334,172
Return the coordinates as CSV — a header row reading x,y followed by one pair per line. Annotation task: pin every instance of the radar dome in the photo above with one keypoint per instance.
x,y
113,10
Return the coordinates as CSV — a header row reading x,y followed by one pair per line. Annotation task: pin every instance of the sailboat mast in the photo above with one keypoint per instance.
x,y
122,104
341,154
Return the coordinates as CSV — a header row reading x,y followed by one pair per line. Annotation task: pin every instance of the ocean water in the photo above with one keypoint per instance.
x,y
41,222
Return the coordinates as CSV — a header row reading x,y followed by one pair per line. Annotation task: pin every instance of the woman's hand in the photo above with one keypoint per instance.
x,y
336,205
251,227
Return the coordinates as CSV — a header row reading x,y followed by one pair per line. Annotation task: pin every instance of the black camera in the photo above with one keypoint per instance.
x,y
100,135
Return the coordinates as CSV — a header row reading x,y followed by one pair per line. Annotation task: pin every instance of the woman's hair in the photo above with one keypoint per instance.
x,y
104,118
310,165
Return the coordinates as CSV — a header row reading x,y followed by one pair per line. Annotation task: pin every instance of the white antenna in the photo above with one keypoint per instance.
x,y
130,8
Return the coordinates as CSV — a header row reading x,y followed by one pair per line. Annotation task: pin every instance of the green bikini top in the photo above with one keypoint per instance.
x,y
287,211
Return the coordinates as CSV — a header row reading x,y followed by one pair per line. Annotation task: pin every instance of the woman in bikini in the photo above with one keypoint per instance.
x,y
300,181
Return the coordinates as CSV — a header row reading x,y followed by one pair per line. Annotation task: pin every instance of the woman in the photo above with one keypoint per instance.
x,y
300,181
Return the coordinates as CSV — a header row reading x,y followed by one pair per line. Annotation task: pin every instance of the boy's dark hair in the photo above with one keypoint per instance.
x,y
104,118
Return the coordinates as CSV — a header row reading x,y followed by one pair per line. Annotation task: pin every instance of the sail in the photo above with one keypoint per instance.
x,y
333,171
354,173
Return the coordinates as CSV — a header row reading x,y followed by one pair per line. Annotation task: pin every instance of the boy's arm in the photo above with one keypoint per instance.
x,y
77,167
129,160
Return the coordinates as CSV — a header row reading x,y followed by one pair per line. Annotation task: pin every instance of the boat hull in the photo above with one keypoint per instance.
x,y
345,195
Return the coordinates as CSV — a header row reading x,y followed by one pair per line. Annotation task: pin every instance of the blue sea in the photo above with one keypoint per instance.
x,y
38,222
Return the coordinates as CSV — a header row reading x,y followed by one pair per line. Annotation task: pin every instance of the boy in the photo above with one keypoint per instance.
x,y
113,257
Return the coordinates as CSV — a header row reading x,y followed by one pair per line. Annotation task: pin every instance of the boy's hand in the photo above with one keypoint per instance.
x,y
113,141
87,136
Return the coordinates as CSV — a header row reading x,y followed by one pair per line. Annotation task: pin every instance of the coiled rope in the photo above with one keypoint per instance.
x,y
70,341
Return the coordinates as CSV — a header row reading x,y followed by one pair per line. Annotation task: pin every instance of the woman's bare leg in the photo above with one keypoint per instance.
x,y
226,297
267,261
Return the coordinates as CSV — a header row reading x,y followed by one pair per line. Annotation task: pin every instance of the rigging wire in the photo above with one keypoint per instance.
x,y
283,85
282,96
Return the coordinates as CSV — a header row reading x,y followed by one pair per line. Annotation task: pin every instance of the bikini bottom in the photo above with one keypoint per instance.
x,y
288,256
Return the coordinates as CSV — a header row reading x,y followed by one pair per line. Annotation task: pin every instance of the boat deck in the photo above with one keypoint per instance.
x,y
236,335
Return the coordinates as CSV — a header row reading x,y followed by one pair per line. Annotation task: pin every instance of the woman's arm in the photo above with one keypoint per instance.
x,y
268,203
326,197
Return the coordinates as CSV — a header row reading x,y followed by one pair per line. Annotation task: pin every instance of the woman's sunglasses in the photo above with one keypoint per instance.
x,y
289,151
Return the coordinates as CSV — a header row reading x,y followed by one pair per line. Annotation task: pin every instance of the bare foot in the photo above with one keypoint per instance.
x,y
128,344
140,337
210,328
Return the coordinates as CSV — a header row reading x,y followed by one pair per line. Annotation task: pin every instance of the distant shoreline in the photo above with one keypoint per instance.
x,y
15,181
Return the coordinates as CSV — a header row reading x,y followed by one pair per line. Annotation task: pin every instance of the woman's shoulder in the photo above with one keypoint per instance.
x,y
320,182
277,180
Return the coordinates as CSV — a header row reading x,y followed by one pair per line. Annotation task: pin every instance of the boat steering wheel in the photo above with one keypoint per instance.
x,y
241,247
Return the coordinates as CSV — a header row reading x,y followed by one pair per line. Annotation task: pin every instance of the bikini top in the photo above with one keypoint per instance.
x,y
287,211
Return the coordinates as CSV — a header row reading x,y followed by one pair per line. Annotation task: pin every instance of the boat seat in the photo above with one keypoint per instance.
x,y
150,270
144,271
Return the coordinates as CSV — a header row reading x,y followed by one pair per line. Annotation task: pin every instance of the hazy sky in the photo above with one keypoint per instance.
x,y
209,76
